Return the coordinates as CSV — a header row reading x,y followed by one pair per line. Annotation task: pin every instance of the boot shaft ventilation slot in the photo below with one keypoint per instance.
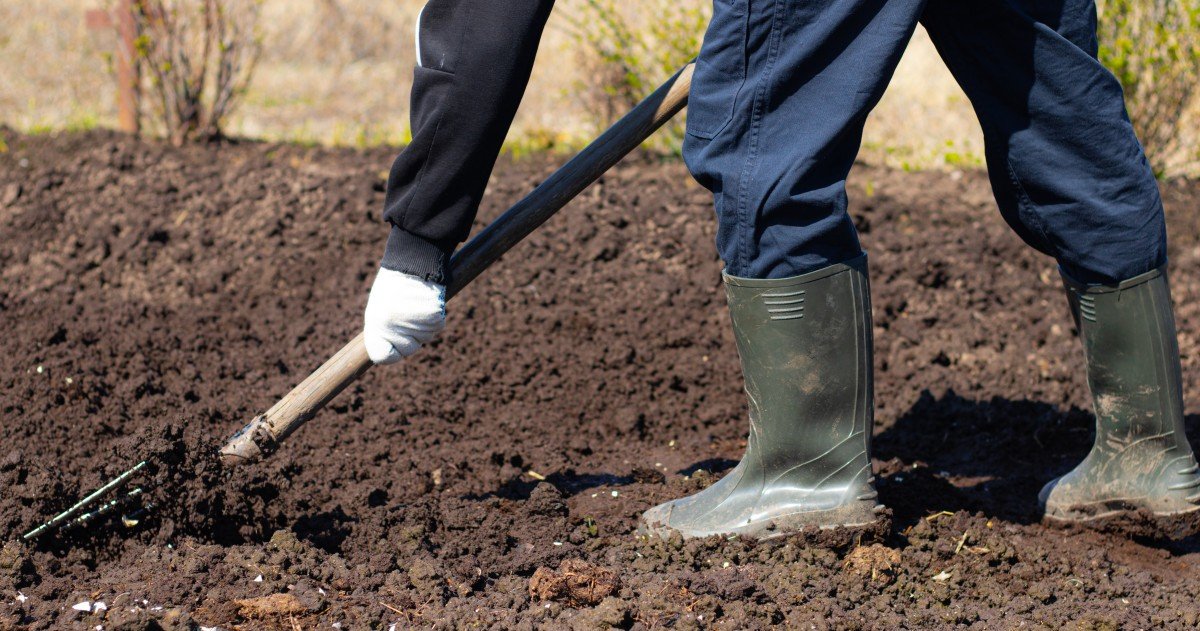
x,y
785,306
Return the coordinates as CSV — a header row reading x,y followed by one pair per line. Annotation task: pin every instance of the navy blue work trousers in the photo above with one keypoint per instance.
x,y
782,89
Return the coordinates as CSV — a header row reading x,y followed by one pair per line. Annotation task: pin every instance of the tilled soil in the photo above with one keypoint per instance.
x,y
153,299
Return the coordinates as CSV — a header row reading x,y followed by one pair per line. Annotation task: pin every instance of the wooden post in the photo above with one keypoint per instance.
x,y
125,60
127,73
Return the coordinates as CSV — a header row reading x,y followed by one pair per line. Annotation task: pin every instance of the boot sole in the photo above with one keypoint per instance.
x,y
852,517
1126,519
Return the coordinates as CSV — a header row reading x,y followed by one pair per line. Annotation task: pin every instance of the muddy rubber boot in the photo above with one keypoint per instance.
x,y
805,346
1141,464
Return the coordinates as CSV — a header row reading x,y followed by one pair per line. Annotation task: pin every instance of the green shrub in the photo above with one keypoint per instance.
x,y
1153,46
629,49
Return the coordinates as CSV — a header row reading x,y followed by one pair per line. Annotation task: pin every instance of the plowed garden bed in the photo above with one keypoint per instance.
x,y
152,299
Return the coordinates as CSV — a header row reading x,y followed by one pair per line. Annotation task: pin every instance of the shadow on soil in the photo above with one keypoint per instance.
x,y
951,453
568,482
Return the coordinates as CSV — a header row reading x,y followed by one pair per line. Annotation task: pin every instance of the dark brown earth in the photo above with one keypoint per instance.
x,y
152,299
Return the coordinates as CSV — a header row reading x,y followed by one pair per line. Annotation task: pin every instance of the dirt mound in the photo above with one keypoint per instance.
x,y
153,299
576,582
877,561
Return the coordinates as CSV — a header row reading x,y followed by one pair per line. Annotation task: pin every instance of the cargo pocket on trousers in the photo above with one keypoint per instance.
x,y
720,70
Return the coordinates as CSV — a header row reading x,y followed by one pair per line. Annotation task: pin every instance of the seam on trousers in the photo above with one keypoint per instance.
x,y
1027,209
745,228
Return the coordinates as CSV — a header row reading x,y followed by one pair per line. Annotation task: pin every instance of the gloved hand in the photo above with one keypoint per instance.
x,y
403,312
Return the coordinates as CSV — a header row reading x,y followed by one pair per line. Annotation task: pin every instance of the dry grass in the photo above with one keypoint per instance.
x,y
339,72
924,119
52,67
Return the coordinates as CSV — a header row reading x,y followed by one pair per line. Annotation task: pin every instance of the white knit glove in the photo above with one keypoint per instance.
x,y
403,312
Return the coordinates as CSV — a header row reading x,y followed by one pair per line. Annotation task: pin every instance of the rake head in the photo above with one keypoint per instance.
x,y
111,498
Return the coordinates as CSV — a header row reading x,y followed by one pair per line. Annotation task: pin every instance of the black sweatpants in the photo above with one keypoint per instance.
x,y
473,63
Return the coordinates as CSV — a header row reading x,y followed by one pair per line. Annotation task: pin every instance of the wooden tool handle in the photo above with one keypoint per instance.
x,y
263,434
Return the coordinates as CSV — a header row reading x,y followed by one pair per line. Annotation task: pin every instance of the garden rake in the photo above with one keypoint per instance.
x,y
263,435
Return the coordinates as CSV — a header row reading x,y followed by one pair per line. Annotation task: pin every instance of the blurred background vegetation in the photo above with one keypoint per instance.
x,y
339,71
1153,46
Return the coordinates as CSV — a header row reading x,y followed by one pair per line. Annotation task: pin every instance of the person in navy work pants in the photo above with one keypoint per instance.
x,y
779,97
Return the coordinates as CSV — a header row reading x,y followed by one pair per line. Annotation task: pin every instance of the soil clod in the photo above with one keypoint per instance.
x,y
576,582
876,562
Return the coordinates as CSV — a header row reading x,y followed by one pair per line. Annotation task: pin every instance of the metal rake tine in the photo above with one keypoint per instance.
x,y
133,518
58,519
106,508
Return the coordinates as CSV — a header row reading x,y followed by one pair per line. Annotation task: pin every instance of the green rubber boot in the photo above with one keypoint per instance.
x,y
1141,462
805,345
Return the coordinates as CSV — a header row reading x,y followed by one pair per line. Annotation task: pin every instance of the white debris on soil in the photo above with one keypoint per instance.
x,y
21,597
942,576
99,605
258,579
83,606
615,494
